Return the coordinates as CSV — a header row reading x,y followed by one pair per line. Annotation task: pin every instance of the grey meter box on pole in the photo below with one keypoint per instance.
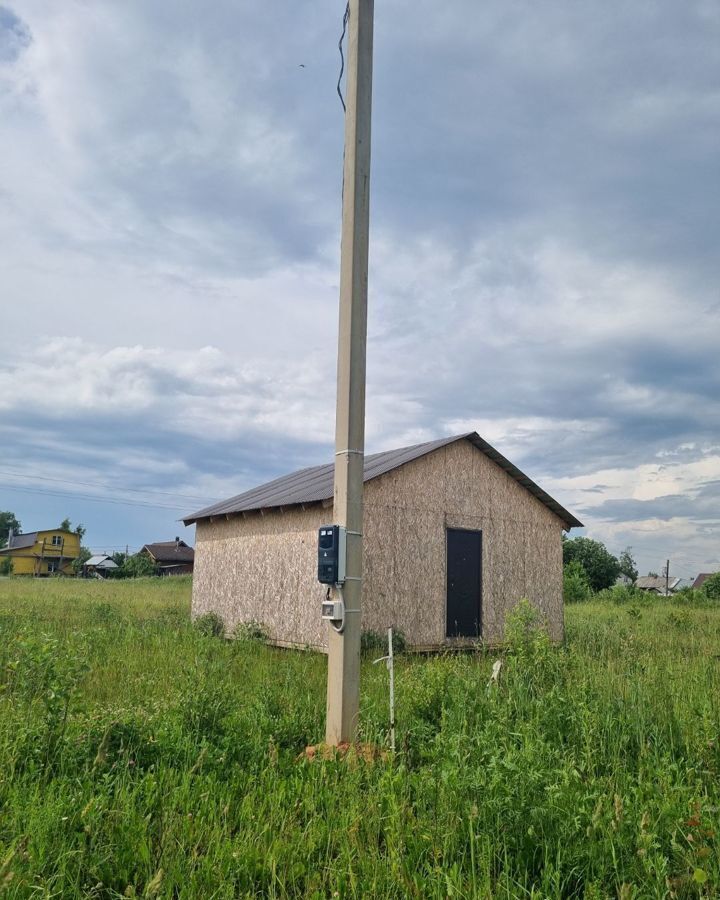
x,y
331,554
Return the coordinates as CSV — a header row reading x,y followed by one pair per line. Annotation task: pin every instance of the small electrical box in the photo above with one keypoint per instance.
x,y
331,554
333,611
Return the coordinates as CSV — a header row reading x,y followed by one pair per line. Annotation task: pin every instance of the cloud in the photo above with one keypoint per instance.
x,y
543,253
15,36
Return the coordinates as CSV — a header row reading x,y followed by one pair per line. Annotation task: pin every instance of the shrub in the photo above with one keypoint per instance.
x,y
252,631
711,588
375,642
210,624
622,593
525,635
6,565
138,566
576,587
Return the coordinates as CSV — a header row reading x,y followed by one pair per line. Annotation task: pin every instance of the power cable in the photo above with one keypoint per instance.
x,y
18,474
86,497
346,19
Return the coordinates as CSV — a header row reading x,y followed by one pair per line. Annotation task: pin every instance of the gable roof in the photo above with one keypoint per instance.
x,y
175,552
701,579
22,541
101,562
316,483
656,583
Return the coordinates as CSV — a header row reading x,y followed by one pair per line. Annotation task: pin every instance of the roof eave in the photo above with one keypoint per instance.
x,y
566,517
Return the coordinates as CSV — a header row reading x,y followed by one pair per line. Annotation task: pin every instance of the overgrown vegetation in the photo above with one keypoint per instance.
x,y
140,756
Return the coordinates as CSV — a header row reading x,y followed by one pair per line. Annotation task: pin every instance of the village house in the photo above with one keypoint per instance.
x,y
171,557
656,584
701,579
99,566
43,553
455,536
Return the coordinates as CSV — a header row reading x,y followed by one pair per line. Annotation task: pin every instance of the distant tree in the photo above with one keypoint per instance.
x,y
628,566
119,559
138,566
8,522
601,567
80,530
711,587
78,563
6,565
576,586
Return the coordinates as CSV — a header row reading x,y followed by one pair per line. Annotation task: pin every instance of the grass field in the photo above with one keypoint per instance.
x,y
141,758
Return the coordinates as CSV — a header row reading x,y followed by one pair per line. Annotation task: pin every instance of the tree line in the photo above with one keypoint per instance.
x,y
589,568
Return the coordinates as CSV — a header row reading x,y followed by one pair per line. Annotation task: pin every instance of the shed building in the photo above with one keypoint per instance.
x,y
454,536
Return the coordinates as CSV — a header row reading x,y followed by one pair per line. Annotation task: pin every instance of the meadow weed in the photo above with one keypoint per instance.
x,y
142,756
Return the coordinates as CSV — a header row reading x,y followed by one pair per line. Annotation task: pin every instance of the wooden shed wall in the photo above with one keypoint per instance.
x,y
263,567
407,512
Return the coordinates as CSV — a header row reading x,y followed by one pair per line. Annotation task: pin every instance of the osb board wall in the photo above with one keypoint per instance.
x,y
407,512
263,567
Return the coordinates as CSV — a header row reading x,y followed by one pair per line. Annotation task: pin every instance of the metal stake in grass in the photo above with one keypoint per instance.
x,y
390,662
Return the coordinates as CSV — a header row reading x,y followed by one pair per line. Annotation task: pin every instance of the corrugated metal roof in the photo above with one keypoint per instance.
x,y
316,483
101,562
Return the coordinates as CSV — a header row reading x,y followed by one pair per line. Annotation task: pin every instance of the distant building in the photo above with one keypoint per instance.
x,y
43,553
656,584
454,537
99,566
171,557
701,579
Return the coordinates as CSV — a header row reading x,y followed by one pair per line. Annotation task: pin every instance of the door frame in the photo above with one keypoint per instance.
x,y
464,638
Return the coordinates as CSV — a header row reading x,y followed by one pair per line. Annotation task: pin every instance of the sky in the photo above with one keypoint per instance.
x,y
543,255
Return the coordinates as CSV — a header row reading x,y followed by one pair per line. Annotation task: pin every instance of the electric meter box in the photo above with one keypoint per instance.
x,y
333,611
331,554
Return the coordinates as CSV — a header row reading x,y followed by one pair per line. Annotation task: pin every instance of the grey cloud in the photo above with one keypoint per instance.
x,y
699,506
543,233
15,35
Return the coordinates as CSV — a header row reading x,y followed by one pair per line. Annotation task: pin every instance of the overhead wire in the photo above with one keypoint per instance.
x,y
346,19
89,498
32,476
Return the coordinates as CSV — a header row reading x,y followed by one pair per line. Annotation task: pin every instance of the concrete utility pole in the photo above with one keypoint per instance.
x,y
343,693
667,578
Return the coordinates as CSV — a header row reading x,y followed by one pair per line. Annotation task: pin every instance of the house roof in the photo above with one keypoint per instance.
x,y
316,484
173,552
701,579
22,541
656,583
101,562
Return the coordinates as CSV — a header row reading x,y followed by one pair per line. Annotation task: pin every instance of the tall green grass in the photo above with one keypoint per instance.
x,y
141,757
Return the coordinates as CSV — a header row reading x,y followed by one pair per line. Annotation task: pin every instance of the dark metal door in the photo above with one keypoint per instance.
x,y
464,583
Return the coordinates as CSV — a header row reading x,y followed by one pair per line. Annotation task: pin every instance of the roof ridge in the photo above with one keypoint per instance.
x,y
314,484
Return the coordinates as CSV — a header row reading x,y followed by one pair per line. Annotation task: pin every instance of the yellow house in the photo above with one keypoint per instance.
x,y
42,553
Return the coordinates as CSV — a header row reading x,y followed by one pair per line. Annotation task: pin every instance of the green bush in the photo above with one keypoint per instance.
x,y
576,587
6,565
210,624
711,588
622,593
252,631
376,642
